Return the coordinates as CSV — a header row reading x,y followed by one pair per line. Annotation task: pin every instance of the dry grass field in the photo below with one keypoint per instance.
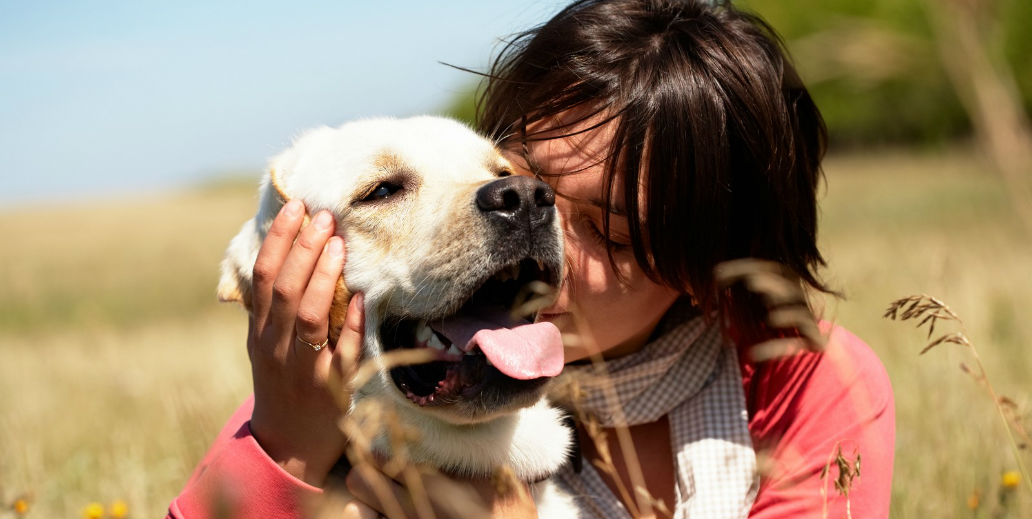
x,y
117,366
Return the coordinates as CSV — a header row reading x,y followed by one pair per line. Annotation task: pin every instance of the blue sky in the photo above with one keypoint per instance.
x,y
99,98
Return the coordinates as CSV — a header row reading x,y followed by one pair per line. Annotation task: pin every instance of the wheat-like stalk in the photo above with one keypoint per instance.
x,y
848,470
928,311
786,301
988,91
640,502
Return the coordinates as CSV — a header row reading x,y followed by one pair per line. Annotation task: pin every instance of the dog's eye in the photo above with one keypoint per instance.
x,y
381,191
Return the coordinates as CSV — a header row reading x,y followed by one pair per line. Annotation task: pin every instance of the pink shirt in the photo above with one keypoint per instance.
x,y
801,409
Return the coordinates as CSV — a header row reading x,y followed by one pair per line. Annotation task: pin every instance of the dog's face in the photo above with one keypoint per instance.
x,y
442,241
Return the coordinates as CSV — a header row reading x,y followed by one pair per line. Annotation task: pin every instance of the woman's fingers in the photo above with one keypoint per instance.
x,y
271,255
349,344
356,509
296,415
295,274
312,324
375,489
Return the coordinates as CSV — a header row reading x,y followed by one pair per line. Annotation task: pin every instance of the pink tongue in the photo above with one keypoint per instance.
x,y
519,349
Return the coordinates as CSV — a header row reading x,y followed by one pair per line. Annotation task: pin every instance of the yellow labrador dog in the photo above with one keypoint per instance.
x,y
441,238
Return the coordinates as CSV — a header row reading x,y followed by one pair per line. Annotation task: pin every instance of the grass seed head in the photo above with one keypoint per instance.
x,y
929,311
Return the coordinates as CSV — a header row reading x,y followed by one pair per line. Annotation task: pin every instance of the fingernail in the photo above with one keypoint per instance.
x,y
335,246
322,220
293,208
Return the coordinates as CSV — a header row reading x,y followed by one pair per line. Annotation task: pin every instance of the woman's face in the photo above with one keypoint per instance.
x,y
607,314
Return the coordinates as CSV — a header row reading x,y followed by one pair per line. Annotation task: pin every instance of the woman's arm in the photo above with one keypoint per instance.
x,y
238,478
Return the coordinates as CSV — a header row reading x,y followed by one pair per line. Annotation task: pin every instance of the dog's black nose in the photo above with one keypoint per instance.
x,y
516,201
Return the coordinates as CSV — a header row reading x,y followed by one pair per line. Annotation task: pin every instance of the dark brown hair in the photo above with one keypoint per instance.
x,y
710,117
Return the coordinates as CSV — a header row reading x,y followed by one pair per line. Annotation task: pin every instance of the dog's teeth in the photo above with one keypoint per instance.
x,y
435,342
541,265
454,350
423,332
509,272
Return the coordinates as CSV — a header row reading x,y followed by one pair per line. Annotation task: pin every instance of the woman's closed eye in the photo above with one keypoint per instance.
x,y
593,230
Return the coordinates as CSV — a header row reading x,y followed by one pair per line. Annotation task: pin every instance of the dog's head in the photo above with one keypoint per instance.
x,y
443,241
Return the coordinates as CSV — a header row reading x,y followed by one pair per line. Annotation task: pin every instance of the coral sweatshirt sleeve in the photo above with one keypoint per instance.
x,y
237,478
804,410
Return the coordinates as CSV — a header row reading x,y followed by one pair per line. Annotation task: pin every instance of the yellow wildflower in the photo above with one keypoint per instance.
x,y
1010,479
119,510
20,506
93,511
974,500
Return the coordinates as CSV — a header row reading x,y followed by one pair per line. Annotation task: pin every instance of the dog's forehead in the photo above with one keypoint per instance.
x,y
422,145
443,152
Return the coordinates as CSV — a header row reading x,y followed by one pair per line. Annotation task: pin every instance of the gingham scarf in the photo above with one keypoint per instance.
x,y
691,375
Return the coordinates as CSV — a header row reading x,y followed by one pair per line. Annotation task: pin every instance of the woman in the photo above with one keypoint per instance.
x,y
677,136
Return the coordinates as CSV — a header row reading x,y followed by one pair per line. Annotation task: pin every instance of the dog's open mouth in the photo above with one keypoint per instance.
x,y
485,341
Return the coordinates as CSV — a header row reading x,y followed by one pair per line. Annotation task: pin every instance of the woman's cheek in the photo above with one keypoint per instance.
x,y
591,272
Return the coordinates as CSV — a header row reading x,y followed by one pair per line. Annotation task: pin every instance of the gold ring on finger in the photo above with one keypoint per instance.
x,y
314,346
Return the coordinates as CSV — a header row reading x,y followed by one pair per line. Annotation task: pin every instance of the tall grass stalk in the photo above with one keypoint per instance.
x,y
930,311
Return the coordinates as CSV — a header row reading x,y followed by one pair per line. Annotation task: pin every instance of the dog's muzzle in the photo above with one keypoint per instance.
x,y
492,344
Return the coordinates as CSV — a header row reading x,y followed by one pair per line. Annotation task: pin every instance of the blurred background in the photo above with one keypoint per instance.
x,y
132,136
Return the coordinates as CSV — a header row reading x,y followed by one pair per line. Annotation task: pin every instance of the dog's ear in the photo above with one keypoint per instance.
x,y
233,288
235,280
238,265
339,309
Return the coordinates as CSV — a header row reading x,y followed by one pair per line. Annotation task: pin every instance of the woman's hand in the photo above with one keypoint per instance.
x,y
424,492
295,414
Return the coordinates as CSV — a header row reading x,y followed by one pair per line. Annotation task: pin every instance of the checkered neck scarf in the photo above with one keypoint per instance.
x,y
689,374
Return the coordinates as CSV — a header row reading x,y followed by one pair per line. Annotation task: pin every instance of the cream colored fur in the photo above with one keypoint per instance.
x,y
411,256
